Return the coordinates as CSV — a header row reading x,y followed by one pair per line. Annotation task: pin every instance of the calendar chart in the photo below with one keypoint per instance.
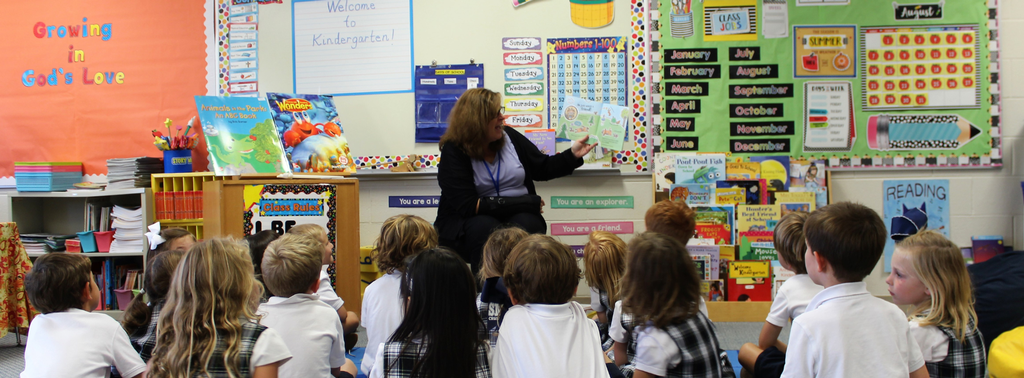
x,y
588,68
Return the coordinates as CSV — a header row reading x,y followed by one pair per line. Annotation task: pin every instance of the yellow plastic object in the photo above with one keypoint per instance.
x,y
1006,355
592,13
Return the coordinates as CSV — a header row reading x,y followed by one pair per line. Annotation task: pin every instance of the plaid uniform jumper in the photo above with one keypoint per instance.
x,y
215,368
400,358
609,310
144,339
699,349
964,359
631,335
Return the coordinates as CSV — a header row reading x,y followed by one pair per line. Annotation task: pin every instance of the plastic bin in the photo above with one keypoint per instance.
x,y
88,241
124,297
103,239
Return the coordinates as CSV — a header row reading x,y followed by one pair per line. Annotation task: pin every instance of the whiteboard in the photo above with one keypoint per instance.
x,y
448,31
352,47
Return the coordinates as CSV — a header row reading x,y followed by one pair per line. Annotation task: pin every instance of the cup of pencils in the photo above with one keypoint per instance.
x,y
177,146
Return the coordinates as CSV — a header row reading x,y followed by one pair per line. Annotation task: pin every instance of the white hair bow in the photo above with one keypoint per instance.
x,y
154,236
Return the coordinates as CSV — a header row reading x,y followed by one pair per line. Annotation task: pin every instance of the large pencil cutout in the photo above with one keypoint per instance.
x,y
919,132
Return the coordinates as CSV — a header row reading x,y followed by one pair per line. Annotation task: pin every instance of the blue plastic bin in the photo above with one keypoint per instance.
x,y
88,241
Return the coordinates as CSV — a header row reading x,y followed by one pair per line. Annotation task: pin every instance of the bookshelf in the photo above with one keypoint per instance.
x,y
65,213
167,186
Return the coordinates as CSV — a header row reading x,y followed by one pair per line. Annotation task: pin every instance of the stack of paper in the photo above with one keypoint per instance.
x,y
38,243
129,230
132,172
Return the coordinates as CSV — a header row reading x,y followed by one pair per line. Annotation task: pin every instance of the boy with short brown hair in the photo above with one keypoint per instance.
x,y
544,334
845,331
61,286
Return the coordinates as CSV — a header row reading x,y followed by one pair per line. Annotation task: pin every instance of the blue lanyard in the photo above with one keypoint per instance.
x,y
495,178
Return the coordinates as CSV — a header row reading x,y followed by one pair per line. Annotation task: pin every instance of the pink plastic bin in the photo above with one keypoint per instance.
x,y
103,239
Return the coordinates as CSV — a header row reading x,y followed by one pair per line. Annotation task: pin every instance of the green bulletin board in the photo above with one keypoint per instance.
x,y
855,83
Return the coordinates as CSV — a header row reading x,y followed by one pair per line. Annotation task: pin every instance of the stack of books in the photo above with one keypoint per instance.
x,y
41,243
132,172
129,229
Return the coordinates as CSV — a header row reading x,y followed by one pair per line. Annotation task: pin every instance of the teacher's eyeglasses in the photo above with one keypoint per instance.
x,y
501,110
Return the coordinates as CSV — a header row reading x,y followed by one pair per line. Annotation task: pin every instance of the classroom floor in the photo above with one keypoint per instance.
x,y
731,335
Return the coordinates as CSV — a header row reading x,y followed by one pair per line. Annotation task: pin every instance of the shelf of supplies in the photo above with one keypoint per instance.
x,y
95,254
77,193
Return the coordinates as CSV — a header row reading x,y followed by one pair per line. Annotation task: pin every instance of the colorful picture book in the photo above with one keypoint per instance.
x,y
578,118
703,265
240,136
544,139
749,281
715,222
699,169
755,217
711,253
742,170
759,251
693,194
730,196
755,189
311,132
809,176
775,170
986,247
713,290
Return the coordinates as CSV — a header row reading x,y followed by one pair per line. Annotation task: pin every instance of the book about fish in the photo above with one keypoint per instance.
x,y
311,133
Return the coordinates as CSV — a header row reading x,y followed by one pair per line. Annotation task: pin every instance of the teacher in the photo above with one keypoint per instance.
x,y
486,174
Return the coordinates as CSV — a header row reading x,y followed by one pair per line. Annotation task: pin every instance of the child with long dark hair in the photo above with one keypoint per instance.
x,y
439,335
140,319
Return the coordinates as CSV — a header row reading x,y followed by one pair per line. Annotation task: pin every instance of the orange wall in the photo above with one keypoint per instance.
x,y
159,46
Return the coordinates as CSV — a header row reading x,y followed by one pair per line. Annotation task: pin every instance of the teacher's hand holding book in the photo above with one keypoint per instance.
x,y
580,147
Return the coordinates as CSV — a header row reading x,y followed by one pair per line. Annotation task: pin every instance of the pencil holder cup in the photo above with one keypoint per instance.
x,y
178,161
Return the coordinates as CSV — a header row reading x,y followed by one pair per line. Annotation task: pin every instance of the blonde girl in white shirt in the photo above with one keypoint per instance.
x,y
928,272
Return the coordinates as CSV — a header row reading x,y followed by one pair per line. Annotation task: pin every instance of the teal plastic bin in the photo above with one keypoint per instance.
x,y
88,241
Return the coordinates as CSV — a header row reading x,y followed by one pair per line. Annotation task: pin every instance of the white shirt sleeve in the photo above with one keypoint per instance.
x,y
779,314
703,308
915,359
595,300
337,357
378,364
326,293
126,359
269,348
933,343
615,331
801,354
656,352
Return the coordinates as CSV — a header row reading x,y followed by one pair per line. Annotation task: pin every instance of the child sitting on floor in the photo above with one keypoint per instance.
x,y
140,319
493,301
349,319
604,258
66,339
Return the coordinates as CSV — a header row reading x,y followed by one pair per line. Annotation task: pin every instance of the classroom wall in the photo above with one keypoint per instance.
x,y
448,31
982,201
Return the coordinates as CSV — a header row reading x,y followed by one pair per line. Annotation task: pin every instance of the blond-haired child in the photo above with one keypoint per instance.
x,y
928,272
291,270
845,331
604,260
208,327
349,319
401,236
767,358
66,339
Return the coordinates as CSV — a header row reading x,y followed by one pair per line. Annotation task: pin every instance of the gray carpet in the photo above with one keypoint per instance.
x,y
12,356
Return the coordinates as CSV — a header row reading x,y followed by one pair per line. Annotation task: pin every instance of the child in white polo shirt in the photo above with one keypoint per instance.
x,y
544,334
310,328
349,319
768,357
845,331
67,340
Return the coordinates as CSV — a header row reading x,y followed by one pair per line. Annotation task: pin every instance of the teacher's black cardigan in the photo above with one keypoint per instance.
x,y
458,190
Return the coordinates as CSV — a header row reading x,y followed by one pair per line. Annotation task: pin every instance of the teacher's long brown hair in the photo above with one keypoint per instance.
x,y
467,123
